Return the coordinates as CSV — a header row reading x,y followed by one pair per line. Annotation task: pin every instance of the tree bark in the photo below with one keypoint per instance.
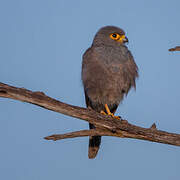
x,y
105,125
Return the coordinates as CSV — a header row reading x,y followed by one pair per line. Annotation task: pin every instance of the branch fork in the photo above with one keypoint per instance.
x,y
105,126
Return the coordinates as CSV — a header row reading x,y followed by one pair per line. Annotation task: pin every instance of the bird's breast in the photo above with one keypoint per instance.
x,y
112,55
106,75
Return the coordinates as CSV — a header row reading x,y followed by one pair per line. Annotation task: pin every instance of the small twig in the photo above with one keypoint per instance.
x,y
153,126
177,48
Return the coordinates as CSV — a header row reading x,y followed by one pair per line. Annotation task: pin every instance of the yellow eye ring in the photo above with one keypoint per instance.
x,y
115,36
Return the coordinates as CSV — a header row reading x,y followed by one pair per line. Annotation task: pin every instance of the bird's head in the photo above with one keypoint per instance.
x,y
110,35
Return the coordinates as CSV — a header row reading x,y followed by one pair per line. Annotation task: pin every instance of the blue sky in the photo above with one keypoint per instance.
x,y
42,43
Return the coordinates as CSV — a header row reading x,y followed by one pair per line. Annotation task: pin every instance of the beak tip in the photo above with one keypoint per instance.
x,y
126,40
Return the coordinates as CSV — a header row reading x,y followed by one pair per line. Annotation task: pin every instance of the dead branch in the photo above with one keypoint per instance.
x,y
106,126
91,132
177,48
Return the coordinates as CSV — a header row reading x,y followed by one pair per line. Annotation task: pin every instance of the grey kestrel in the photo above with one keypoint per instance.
x,y
108,73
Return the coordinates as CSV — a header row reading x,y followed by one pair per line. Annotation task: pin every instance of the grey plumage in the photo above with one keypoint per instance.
x,y
108,73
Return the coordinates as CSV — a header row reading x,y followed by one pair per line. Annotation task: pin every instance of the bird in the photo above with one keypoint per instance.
x,y
108,73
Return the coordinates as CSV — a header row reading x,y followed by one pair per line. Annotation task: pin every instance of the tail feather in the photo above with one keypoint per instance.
x,y
95,141
94,144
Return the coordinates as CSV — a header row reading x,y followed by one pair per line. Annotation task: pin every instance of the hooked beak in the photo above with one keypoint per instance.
x,y
125,40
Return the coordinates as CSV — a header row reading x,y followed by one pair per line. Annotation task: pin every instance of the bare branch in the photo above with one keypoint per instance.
x,y
82,133
106,126
177,48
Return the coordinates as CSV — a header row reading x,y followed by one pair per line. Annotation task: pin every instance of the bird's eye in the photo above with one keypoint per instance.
x,y
115,36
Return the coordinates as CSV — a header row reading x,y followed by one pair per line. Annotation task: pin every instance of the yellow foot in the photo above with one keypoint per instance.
x,y
109,113
116,117
102,112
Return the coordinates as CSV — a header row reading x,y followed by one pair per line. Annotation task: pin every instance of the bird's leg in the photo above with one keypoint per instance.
x,y
109,112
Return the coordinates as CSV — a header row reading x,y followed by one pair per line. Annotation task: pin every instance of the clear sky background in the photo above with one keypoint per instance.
x,y
41,47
